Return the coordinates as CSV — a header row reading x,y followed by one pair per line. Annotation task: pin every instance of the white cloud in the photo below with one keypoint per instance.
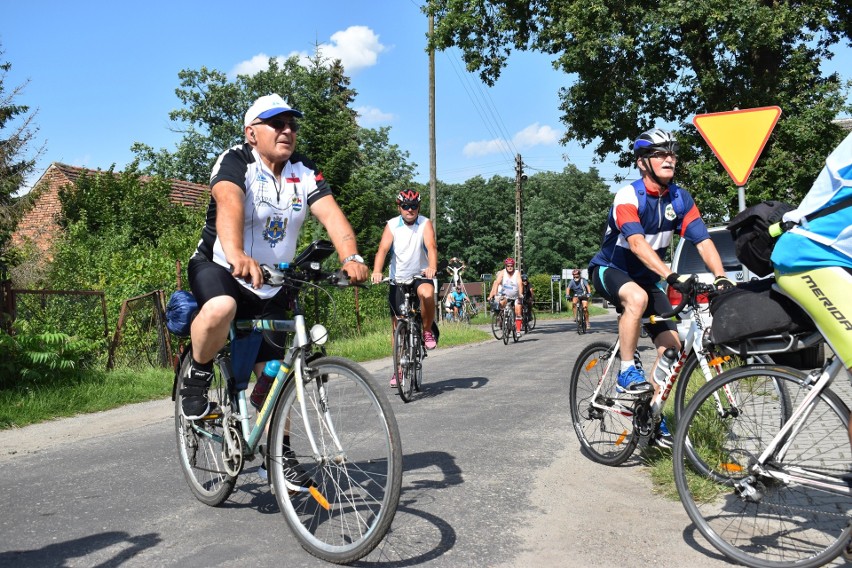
x,y
536,135
533,135
368,116
485,147
357,47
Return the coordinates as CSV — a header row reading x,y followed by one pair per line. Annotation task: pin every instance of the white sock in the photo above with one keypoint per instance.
x,y
626,365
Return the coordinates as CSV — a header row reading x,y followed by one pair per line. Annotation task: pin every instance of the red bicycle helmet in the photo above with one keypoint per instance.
x,y
407,196
509,261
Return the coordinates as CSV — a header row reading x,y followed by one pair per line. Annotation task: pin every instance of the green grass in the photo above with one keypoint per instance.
x,y
97,390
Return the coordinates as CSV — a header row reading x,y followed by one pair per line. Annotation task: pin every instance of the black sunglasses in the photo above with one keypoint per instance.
x,y
281,122
410,206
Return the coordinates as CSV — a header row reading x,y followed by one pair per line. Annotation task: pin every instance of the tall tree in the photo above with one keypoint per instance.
x,y
361,165
639,64
17,132
564,216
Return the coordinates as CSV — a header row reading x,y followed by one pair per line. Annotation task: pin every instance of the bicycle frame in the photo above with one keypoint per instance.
x,y
782,441
293,360
690,340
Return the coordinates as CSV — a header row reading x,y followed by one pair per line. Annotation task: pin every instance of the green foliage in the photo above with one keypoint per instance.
x,y
639,65
564,216
31,358
17,132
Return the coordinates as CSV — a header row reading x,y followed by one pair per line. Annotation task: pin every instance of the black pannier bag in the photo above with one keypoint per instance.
x,y
752,241
754,309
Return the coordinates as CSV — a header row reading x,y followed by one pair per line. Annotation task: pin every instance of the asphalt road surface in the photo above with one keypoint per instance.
x,y
493,476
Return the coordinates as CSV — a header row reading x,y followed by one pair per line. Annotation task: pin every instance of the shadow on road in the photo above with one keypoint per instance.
x,y
126,547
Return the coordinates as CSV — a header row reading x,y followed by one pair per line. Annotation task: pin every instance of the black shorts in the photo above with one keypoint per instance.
x,y
208,280
396,295
608,281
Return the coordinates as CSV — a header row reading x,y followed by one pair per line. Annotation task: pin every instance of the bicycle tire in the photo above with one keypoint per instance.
x,y
360,481
507,330
402,362
497,325
787,523
692,378
515,334
606,436
532,319
200,443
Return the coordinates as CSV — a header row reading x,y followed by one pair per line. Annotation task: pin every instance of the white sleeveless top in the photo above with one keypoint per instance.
x,y
408,252
509,285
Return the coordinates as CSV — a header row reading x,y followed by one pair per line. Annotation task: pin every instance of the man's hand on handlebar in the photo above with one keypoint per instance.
x,y
246,268
680,282
357,271
723,283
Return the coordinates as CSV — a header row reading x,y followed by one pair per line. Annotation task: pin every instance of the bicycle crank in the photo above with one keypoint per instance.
x,y
232,451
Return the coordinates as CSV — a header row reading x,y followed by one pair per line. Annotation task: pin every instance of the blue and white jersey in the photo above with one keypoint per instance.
x,y
274,207
826,241
657,223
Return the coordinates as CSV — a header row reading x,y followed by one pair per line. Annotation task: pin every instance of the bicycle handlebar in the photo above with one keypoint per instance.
x,y
687,298
285,274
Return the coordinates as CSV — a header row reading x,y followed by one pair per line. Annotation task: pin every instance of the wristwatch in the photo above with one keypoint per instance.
x,y
356,257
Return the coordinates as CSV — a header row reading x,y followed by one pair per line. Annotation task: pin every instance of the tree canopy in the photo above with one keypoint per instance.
x,y
633,65
17,130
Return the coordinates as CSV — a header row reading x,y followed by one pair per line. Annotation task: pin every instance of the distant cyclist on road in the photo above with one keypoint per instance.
x,y
508,285
641,222
577,287
410,239
457,297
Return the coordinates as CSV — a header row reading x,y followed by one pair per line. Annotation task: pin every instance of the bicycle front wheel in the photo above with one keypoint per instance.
x,y
406,363
508,326
792,510
604,425
692,377
532,319
201,445
340,498
497,325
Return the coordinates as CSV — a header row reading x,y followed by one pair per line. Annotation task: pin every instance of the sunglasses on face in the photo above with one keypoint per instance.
x,y
281,123
409,206
664,155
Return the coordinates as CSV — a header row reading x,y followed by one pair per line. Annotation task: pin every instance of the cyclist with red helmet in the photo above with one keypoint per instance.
x,y
508,286
641,222
410,238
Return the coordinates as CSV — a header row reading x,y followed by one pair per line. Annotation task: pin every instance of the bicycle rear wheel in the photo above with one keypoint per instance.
x,y
603,424
532,318
200,443
756,515
354,487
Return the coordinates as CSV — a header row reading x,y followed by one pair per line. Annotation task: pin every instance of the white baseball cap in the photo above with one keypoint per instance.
x,y
266,106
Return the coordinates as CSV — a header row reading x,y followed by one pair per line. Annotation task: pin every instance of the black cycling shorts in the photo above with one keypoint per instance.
x,y
208,280
608,281
396,295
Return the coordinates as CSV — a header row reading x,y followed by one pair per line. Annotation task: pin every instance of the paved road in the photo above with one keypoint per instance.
x,y
493,476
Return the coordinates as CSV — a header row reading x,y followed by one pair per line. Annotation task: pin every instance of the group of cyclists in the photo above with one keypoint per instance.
x,y
262,189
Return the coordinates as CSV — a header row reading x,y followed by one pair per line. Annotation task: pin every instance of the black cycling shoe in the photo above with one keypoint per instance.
x,y
295,478
194,401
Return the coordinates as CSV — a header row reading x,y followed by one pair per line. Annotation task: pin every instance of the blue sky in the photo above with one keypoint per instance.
x,y
102,76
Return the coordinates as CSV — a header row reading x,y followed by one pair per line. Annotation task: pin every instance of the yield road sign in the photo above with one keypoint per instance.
x,y
737,137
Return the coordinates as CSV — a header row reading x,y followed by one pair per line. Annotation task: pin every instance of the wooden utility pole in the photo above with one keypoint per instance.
x,y
519,213
433,190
